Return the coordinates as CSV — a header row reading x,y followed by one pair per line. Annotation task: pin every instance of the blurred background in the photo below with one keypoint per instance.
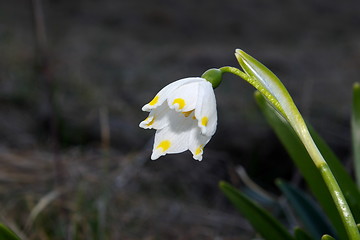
x,y
74,75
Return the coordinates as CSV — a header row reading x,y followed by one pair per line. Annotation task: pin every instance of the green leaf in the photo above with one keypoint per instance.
x,y
355,130
302,160
311,216
302,235
7,234
266,225
327,237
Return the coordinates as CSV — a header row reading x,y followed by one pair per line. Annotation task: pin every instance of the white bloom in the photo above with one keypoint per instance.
x,y
184,116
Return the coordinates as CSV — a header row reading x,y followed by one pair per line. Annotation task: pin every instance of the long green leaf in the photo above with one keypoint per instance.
x,y
302,235
7,234
355,130
266,225
303,161
311,216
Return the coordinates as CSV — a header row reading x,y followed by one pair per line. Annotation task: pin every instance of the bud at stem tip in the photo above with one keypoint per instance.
x,y
214,76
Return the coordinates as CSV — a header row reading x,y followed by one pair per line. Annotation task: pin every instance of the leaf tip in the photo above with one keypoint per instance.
x,y
240,52
257,95
356,85
356,88
327,237
222,184
279,182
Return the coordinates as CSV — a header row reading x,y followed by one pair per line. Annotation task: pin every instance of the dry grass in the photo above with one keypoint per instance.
x,y
112,196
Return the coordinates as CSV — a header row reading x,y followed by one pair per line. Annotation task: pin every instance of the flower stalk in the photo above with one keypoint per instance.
x,y
274,91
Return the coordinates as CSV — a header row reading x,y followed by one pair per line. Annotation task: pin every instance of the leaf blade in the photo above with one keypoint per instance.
x,y
7,234
302,235
260,219
309,213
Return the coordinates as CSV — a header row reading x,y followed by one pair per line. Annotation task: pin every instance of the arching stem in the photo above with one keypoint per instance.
x,y
287,108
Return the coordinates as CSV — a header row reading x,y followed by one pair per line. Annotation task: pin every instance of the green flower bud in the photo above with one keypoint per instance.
x,y
214,76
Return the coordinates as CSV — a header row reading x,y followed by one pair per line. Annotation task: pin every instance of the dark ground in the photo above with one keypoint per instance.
x,y
105,59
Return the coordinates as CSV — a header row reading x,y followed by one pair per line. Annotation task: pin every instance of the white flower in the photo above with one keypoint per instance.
x,y
184,116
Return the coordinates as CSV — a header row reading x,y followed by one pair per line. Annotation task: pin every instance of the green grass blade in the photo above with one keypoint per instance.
x,y
302,235
7,234
314,221
355,130
266,225
302,160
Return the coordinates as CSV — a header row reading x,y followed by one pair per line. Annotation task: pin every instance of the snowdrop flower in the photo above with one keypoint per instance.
x,y
184,116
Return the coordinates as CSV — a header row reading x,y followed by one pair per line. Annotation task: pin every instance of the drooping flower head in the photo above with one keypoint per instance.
x,y
184,116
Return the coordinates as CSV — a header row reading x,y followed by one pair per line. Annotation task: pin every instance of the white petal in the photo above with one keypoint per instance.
x,y
205,110
175,137
146,124
164,93
158,117
197,143
184,98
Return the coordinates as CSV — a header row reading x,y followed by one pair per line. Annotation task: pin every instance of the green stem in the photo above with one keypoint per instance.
x,y
295,119
237,72
339,200
299,125
334,188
